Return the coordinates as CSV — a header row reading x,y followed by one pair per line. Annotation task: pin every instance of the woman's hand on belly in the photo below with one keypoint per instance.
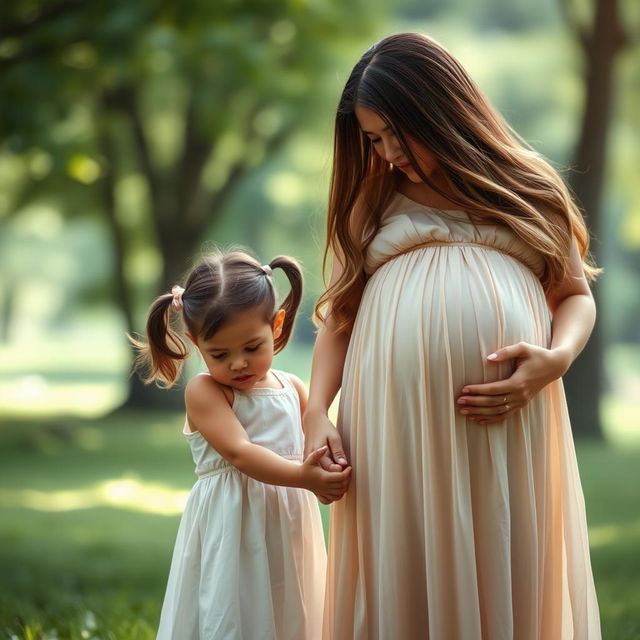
x,y
535,368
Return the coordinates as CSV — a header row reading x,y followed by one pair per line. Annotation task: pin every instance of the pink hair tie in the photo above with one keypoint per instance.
x,y
267,269
177,292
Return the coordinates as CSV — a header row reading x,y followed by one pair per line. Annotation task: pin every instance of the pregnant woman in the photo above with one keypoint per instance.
x,y
458,299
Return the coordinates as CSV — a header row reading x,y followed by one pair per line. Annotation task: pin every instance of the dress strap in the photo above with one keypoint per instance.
x,y
283,379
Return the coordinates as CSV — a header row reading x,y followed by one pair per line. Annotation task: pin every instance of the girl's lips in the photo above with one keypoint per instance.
x,y
243,378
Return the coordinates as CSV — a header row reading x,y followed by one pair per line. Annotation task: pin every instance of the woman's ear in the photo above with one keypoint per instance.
x,y
278,322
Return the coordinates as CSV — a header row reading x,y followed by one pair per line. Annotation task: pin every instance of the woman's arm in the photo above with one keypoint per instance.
x,y
209,411
326,377
574,313
326,374
329,354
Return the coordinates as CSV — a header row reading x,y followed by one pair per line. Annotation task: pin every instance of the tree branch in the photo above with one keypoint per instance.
x,y
123,99
238,171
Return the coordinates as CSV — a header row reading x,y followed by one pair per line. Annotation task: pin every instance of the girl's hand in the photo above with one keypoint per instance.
x,y
535,368
318,432
331,485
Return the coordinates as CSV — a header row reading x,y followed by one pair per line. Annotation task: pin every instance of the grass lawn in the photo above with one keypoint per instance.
x,y
90,511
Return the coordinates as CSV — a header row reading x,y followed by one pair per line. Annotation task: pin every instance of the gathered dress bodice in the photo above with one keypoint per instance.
x,y
408,224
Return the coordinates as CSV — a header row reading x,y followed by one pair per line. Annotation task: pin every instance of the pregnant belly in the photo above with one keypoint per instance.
x,y
439,311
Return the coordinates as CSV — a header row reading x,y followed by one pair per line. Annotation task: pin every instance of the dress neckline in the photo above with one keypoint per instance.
x,y
266,391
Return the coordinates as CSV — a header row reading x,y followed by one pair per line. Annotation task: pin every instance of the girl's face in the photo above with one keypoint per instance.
x,y
240,353
387,146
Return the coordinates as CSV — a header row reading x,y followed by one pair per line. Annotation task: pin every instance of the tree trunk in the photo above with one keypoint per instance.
x,y
605,40
139,395
181,211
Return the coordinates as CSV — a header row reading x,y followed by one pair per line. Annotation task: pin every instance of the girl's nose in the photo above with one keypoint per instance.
x,y
237,364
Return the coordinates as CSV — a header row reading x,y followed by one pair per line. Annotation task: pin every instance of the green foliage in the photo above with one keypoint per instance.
x,y
152,115
244,73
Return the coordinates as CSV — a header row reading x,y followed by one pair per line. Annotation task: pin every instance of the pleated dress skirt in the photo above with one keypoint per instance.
x,y
453,530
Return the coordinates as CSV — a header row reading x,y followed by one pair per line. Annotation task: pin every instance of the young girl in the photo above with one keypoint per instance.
x,y
458,299
249,559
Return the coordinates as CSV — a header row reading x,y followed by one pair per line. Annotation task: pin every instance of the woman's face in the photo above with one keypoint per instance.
x,y
387,146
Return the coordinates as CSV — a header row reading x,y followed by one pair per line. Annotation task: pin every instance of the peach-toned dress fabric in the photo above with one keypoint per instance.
x,y
451,530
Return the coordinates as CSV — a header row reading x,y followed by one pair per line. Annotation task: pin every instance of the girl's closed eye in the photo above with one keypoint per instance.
x,y
254,348
218,356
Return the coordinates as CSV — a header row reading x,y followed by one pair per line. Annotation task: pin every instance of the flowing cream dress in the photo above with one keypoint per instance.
x,y
249,560
452,530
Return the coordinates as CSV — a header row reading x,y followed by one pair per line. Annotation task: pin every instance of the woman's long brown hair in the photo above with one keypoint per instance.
x,y
423,93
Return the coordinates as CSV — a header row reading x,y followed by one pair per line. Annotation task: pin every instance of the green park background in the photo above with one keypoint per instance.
x,y
135,135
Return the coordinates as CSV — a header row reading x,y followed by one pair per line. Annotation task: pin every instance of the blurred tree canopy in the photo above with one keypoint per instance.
x,y
152,126
151,114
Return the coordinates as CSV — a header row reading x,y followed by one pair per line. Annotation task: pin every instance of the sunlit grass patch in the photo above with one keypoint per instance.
x,y
81,371
611,534
38,395
621,418
124,493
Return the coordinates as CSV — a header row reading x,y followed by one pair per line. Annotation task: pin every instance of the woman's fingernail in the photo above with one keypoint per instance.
x,y
465,390
462,401
464,412
493,356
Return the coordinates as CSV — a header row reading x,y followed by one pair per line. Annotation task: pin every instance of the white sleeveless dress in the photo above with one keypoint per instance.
x,y
249,559
452,530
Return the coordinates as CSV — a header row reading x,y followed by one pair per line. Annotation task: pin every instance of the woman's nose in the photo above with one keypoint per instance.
x,y
392,150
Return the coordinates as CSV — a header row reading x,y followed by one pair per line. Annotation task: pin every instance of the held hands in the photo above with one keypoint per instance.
x,y
320,433
535,368
331,485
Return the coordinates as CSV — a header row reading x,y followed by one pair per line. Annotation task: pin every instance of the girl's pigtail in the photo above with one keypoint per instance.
x,y
290,304
162,356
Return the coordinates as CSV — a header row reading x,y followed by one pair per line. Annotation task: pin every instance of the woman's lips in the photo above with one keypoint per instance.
x,y
404,167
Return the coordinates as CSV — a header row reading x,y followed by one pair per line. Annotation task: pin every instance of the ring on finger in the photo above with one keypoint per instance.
x,y
506,407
